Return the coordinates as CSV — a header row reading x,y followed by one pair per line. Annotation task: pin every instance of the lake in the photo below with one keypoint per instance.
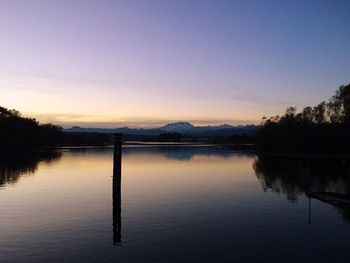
x,y
173,204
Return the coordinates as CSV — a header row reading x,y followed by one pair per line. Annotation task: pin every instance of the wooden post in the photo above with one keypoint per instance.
x,y
309,209
117,169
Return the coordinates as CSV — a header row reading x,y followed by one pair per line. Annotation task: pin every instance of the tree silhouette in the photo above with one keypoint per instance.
x,y
323,128
21,132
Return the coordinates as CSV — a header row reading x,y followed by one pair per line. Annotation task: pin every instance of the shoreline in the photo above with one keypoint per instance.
x,y
238,147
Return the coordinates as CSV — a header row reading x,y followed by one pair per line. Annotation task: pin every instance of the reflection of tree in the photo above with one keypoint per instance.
x,y
13,165
297,176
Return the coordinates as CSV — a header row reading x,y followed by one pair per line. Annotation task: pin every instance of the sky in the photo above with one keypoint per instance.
x,y
146,63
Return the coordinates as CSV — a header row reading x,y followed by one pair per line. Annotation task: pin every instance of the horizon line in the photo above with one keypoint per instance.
x,y
151,124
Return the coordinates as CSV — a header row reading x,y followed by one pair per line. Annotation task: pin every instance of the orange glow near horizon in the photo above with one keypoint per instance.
x,y
88,107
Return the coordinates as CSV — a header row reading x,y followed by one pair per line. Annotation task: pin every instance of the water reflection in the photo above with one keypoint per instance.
x,y
183,153
326,180
71,210
117,172
13,165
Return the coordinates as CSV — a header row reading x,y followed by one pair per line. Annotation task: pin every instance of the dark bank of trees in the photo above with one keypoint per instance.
x,y
21,132
323,128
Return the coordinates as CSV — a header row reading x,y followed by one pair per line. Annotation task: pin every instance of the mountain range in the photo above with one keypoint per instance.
x,y
184,128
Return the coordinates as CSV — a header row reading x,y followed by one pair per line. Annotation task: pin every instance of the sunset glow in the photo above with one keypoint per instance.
x,y
135,63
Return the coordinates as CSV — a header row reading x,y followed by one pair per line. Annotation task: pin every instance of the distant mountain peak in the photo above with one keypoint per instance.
x,y
177,126
182,127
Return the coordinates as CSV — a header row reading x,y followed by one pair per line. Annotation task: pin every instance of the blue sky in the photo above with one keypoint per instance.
x,y
145,63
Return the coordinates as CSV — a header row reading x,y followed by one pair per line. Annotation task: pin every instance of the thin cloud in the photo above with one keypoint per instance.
x,y
244,97
11,86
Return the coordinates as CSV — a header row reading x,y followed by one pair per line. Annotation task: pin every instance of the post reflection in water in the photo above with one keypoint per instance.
x,y
117,168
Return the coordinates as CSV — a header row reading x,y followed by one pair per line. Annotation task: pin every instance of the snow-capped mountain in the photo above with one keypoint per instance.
x,y
180,126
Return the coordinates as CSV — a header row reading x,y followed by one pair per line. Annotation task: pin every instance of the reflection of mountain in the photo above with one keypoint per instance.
x,y
15,164
183,153
175,152
323,179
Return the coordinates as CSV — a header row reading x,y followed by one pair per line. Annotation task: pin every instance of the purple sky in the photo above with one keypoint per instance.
x,y
145,63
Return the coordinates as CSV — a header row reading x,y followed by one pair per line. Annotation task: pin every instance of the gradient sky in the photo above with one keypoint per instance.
x,y
144,63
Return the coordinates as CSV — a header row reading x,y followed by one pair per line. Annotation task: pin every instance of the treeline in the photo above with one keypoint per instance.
x,y
323,128
17,131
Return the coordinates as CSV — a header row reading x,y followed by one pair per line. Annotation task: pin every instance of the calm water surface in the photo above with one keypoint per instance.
x,y
178,204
